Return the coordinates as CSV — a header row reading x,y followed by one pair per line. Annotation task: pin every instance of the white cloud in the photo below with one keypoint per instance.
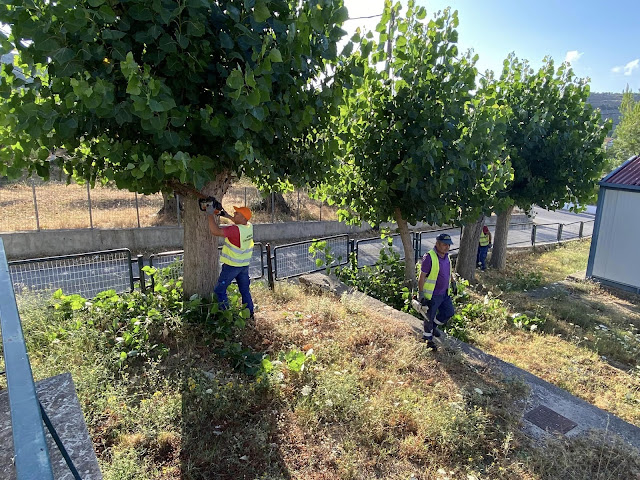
x,y
628,69
572,56
631,66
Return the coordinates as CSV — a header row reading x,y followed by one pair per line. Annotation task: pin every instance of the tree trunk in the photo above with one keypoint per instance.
x,y
281,205
468,252
500,237
169,208
201,267
410,280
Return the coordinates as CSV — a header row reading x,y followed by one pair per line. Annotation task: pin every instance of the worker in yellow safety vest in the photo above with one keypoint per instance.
x,y
236,255
435,286
483,248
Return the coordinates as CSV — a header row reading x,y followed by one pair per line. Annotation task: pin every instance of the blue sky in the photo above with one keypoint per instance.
x,y
600,39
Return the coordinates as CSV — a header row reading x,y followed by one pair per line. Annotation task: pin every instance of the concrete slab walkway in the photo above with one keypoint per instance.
x,y
549,409
58,398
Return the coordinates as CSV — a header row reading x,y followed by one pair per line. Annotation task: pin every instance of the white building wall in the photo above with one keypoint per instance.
x,y
617,256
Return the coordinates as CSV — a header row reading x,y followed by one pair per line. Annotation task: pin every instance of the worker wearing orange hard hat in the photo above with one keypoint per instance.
x,y
236,255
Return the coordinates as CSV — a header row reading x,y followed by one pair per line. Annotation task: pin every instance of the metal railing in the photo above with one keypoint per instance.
x,y
86,274
31,454
294,259
90,273
367,250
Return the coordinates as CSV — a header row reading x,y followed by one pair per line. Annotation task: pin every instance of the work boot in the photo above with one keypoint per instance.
x,y
429,343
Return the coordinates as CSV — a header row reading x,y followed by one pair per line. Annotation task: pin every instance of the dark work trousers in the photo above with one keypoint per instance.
x,y
439,313
482,256
241,276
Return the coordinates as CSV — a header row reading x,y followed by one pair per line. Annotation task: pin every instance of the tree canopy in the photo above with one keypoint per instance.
x,y
554,138
626,142
417,144
146,92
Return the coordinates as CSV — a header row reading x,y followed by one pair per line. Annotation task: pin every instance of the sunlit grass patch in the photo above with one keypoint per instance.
x,y
526,270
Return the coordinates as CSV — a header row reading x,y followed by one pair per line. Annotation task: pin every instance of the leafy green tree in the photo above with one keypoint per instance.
x,y
171,95
554,139
416,145
626,142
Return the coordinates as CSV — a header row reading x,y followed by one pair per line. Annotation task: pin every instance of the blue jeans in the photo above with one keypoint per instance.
x,y
241,276
482,256
439,313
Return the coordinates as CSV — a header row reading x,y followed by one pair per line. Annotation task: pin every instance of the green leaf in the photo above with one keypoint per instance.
x,y
64,55
48,44
225,41
133,87
340,15
195,29
172,138
112,34
254,98
316,23
275,56
183,40
141,12
235,80
261,12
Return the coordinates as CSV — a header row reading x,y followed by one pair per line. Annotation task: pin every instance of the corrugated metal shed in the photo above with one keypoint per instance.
x,y
613,257
626,175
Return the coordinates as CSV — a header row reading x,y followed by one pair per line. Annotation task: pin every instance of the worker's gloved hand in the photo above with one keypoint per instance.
x,y
490,245
424,301
454,288
216,205
211,210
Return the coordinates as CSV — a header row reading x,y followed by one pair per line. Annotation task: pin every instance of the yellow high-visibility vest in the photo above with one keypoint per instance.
x,y
239,256
484,239
430,281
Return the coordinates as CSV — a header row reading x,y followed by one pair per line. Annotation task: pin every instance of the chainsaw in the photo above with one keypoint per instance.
x,y
212,202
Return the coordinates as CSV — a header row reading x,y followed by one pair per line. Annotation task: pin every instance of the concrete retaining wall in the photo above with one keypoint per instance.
x,y
46,243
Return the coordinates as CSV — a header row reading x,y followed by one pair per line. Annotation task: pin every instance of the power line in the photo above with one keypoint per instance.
x,y
363,18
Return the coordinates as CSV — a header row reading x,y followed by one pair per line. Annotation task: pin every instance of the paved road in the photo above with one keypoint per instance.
x,y
88,275
559,216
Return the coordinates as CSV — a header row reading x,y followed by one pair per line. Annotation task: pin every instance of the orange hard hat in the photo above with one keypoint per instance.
x,y
244,211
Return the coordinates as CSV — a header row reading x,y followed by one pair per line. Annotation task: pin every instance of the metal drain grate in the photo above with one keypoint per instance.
x,y
549,421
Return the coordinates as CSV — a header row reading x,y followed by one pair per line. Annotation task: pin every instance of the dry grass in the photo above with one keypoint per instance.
x,y
62,206
590,343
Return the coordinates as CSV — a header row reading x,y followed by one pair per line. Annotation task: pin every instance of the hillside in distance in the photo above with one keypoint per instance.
x,y
609,104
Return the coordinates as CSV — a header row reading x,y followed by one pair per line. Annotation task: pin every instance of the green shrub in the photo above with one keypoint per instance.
x,y
383,281
489,315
